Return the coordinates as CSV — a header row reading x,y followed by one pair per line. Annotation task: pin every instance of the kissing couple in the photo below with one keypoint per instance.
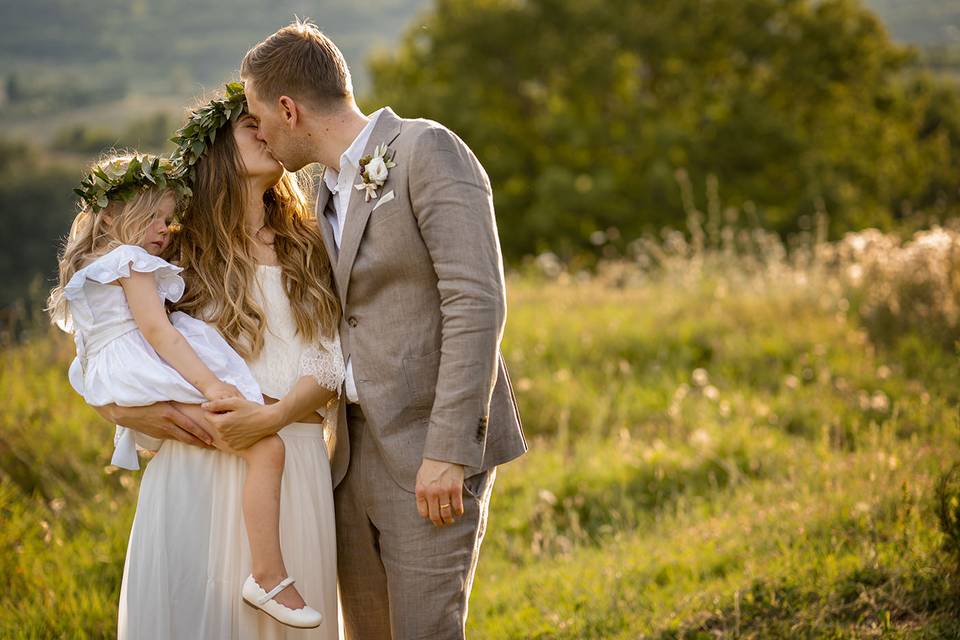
x,y
322,385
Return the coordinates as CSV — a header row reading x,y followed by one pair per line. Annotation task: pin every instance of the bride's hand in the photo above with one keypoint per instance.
x,y
240,422
164,420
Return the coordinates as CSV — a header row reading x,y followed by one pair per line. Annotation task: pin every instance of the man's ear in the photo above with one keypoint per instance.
x,y
290,111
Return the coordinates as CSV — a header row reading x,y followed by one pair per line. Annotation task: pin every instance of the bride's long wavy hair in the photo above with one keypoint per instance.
x,y
214,248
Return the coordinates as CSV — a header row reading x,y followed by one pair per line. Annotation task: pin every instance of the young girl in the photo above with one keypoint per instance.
x,y
111,295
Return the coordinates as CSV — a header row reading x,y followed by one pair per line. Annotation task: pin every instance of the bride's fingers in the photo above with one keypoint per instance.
x,y
219,406
226,448
186,429
185,437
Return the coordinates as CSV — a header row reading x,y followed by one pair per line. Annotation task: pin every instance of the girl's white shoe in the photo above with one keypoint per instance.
x,y
255,596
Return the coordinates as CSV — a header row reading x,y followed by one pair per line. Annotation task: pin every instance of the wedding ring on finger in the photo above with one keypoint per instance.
x,y
446,514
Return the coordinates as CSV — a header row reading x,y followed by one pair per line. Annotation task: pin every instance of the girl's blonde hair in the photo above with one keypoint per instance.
x,y
215,248
95,234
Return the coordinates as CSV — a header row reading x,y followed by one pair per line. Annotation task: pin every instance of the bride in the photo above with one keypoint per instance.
x,y
256,269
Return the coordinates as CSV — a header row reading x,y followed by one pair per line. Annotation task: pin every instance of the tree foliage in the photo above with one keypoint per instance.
x,y
37,206
583,111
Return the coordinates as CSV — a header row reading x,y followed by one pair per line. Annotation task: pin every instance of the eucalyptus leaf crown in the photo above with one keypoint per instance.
x,y
123,178
193,138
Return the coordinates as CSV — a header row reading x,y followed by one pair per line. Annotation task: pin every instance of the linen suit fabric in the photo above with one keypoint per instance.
x,y
421,284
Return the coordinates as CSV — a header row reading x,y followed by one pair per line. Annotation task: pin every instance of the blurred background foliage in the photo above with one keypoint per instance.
x,y
582,112
742,404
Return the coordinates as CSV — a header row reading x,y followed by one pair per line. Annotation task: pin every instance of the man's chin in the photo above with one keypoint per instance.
x,y
292,165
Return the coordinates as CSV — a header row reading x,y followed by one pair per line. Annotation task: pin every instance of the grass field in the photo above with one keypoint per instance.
x,y
723,445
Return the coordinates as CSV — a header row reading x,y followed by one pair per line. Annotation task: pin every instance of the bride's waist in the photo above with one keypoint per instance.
x,y
307,429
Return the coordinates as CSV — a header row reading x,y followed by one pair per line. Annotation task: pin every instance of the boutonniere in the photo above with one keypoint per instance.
x,y
374,170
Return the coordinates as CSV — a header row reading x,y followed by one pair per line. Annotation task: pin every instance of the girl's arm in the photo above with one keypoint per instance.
x,y
151,318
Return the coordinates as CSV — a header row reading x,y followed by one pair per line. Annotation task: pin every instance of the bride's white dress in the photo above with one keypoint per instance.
x,y
188,554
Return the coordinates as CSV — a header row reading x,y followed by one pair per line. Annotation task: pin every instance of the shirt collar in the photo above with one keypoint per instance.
x,y
353,153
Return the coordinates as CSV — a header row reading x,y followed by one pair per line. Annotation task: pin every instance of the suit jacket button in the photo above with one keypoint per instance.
x,y
352,321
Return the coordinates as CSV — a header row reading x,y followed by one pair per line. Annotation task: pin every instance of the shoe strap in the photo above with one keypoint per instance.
x,y
286,582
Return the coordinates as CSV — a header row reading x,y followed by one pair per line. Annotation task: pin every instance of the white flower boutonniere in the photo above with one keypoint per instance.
x,y
374,170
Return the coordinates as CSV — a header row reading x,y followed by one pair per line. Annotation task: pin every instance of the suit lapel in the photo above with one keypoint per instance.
x,y
358,212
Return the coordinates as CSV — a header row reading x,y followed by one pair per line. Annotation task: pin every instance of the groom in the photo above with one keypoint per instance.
x,y
407,217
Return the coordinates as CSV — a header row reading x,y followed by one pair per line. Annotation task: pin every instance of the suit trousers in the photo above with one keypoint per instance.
x,y
400,576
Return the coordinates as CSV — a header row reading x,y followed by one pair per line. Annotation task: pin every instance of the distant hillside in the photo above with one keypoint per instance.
x,y
56,55
921,22
196,40
58,59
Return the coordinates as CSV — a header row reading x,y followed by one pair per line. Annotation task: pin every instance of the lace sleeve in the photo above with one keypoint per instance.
x,y
324,363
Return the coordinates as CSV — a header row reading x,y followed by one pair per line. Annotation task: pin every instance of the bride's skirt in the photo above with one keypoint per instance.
x,y
188,554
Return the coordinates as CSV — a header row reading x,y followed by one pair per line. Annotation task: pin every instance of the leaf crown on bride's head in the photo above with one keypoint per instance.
x,y
124,177
193,138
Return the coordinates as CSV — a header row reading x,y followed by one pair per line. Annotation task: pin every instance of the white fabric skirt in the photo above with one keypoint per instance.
x,y
188,554
127,371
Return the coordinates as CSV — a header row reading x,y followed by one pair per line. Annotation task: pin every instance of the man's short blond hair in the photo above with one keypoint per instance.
x,y
300,62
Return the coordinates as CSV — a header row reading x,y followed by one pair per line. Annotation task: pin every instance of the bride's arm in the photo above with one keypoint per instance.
x,y
242,423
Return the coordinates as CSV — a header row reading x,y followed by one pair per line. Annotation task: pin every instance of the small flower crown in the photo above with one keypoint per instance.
x,y
193,138
123,179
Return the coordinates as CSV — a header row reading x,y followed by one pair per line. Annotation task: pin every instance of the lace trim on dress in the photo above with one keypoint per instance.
x,y
326,365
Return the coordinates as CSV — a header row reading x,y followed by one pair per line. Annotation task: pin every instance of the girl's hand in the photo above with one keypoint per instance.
x,y
221,390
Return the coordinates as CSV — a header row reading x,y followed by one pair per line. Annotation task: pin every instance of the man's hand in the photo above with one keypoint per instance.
x,y
161,420
240,422
440,491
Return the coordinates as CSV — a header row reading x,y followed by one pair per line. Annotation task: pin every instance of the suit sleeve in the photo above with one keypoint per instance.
x,y
453,204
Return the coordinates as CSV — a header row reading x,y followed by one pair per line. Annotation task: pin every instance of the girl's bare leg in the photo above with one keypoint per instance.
x,y
261,508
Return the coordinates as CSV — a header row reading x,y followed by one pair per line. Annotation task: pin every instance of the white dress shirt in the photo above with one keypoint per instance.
x,y
340,184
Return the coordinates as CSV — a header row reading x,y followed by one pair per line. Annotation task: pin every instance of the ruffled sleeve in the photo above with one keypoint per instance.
x,y
120,262
324,363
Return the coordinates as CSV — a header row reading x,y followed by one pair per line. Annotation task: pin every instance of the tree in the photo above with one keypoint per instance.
x,y
582,111
37,207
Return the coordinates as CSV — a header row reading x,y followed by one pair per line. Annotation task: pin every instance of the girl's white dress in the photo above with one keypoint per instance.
x,y
116,365
188,553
